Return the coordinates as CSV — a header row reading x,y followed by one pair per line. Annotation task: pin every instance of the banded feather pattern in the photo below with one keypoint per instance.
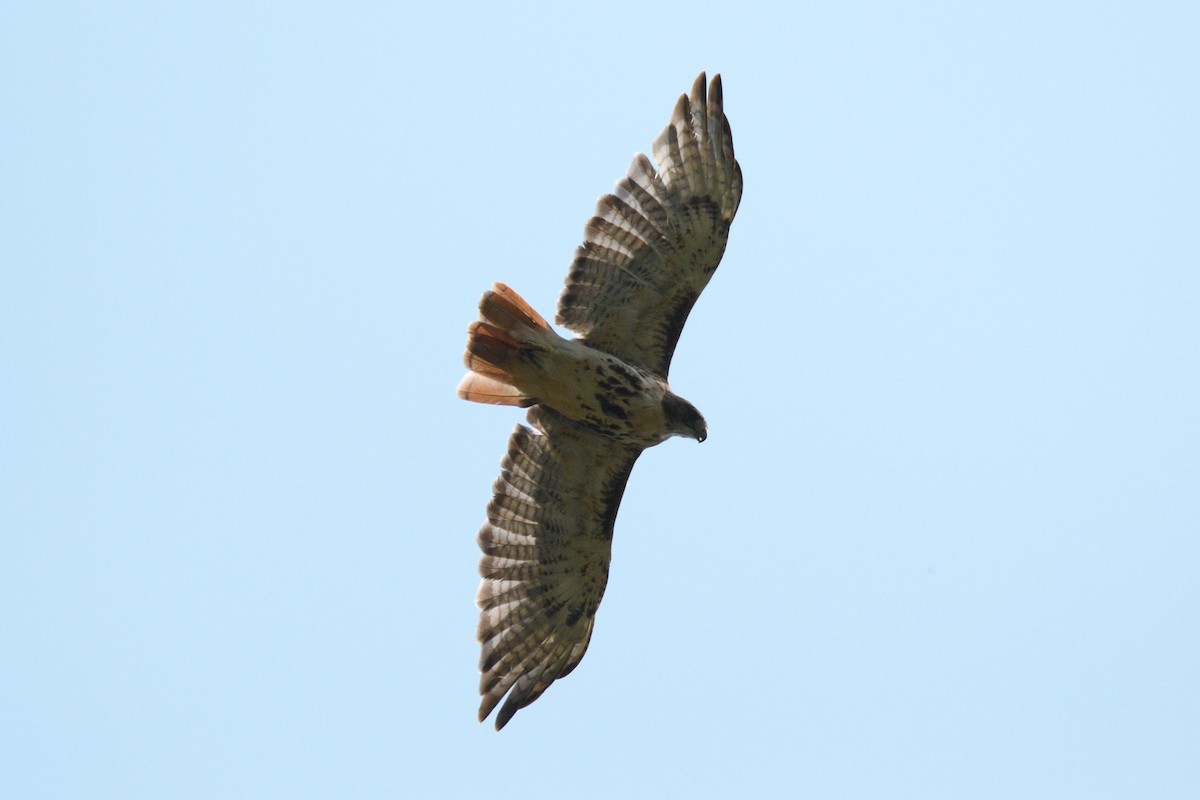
x,y
546,549
654,243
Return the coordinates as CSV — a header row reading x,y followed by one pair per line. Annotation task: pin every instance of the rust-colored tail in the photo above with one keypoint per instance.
x,y
494,345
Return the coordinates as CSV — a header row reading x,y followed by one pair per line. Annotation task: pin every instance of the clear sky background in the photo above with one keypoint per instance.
x,y
943,540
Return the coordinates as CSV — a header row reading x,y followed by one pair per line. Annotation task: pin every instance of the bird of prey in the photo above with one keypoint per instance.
x,y
595,402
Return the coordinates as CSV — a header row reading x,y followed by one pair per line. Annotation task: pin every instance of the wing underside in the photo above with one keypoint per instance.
x,y
546,548
655,242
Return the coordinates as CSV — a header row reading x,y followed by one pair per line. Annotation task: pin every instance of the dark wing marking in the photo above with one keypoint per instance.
x,y
546,548
654,243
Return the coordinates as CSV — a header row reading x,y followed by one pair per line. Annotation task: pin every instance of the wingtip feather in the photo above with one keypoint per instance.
x,y
700,89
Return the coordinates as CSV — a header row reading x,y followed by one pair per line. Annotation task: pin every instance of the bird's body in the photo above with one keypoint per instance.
x,y
596,402
517,359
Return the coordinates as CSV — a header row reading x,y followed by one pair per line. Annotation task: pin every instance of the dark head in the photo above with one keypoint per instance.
x,y
683,419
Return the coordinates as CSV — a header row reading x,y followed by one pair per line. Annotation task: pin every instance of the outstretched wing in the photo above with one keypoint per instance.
x,y
546,548
654,243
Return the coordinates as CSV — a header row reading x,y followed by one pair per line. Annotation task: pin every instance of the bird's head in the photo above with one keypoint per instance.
x,y
683,419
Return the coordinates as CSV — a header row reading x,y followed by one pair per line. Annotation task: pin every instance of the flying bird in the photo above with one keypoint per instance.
x,y
595,402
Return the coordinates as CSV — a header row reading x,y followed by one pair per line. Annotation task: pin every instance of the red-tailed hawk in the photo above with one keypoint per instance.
x,y
597,401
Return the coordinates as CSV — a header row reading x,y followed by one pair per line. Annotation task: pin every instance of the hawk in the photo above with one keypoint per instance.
x,y
595,402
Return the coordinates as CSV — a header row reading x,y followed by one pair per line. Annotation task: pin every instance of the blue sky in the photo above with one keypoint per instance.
x,y
942,540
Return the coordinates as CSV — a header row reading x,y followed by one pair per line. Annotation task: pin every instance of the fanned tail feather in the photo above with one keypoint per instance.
x,y
486,389
494,345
